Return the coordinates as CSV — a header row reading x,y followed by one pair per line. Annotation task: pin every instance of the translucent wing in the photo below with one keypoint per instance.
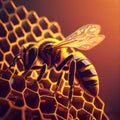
x,y
84,38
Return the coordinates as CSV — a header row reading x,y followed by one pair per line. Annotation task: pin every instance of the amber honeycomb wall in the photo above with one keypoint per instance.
x,y
22,99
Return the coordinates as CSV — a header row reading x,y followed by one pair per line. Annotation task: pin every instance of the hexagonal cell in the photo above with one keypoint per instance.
x,y
88,107
19,32
21,42
62,99
37,31
61,84
4,45
73,112
9,26
12,37
83,115
62,111
48,104
9,7
3,16
54,76
9,58
98,103
4,88
45,84
59,38
13,114
54,28
18,83
14,19
44,23
21,12
97,114
30,38
77,102
48,35
43,91
6,74
31,98
88,98
15,49
3,32
26,26
32,114
4,107
32,85
32,16
77,91
16,99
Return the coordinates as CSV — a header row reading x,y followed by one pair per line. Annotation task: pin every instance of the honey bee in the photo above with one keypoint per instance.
x,y
53,53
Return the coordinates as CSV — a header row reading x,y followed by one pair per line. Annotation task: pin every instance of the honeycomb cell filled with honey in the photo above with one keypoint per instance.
x,y
25,98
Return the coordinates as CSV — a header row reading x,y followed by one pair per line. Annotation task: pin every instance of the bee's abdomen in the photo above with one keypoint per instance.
x,y
87,76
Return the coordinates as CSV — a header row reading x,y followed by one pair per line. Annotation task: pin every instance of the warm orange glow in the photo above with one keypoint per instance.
x,y
24,97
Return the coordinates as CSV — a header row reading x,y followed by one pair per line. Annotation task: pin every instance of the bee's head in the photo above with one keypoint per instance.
x,y
47,53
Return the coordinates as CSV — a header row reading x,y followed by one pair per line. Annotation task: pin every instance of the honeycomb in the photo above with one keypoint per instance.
x,y
27,99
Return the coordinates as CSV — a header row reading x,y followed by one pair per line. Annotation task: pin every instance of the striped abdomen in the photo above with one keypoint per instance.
x,y
87,76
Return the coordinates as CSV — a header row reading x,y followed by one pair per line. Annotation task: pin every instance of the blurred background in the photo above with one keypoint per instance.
x,y
71,14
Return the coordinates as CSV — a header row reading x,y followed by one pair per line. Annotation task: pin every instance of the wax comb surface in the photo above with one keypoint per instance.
x,y
27,99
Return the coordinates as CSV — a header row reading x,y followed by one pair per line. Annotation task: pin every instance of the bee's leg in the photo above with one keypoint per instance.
x,y
58,83
17,57
36,67
41,68
42,71
65,61
72,71
59,67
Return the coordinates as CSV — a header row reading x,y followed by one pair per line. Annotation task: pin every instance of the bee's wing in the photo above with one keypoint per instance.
x,y
89,29
84,38
90,42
